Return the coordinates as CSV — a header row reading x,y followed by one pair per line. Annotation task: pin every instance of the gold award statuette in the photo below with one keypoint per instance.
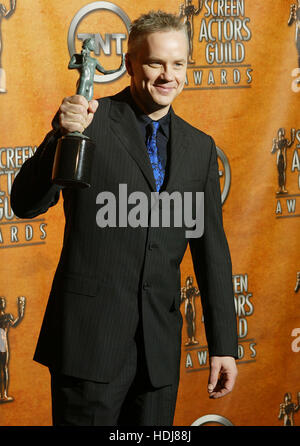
x,y
7,320
74,151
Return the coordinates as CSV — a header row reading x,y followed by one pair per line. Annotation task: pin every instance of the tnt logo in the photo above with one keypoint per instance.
x,y
106,44
109,25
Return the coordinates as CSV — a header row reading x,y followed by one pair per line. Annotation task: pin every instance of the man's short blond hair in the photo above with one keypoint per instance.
x,y
152,22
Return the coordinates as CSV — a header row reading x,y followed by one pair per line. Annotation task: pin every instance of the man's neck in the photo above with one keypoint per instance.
x,y
155,114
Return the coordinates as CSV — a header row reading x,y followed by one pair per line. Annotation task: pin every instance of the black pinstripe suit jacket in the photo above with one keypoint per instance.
x,y
109,278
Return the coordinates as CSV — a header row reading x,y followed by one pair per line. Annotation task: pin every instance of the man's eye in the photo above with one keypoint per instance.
x,y
155,64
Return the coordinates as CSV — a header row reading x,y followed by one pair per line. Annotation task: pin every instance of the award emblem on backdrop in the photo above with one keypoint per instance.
x,y
74,152
288,409
280,146
218,34
188,11
297,287
188,294
295,19
7,320
4,14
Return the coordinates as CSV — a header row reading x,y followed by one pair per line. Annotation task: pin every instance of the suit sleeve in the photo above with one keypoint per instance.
x,y
33,191
213,270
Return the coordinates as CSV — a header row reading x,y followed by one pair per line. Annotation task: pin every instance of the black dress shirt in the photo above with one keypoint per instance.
x,y
163,134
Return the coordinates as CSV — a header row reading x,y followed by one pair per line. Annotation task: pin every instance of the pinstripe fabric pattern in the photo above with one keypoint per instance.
x,y
129,399
108,279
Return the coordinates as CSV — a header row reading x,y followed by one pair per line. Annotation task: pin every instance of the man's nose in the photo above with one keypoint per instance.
x,y
167,73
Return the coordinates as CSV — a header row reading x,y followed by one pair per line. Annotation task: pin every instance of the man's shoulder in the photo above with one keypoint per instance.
x,y
191,130
122,96
119,102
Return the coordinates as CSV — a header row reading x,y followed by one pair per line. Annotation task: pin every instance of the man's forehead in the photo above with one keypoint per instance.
x,y
147,43
161,37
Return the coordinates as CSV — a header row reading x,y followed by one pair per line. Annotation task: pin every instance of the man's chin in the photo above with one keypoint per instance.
x,y
162,101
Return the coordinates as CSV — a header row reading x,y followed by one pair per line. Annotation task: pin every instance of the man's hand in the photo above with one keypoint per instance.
x,y
223,373
76,113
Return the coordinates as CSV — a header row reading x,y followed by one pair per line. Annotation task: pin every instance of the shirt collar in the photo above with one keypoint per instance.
x,y
144,120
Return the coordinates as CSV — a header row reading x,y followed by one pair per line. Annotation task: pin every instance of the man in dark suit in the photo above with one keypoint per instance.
x,y
111,334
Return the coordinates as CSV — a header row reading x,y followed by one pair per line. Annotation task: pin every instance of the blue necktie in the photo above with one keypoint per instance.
x,y
158,170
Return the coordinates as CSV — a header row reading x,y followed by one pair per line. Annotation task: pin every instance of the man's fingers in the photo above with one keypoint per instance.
x,y
224,386
69,107
78,99
222,392
213,378
81,118
72,122
93,105
76,113
76,104
89,119
71,127
223,373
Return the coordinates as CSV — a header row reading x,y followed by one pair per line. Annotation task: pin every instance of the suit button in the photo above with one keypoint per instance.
x,y
152,246
146,286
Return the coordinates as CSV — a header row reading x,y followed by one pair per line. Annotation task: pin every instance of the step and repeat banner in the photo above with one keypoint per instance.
x,y
243,88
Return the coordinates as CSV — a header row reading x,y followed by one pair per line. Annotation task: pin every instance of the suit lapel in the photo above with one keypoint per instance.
x,y
125,127
178,143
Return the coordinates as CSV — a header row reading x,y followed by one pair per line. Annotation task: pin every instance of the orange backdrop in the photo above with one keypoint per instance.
x,y
242,99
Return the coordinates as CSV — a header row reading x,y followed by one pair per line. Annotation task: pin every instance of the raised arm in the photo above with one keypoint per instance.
x,y
74,62
181,10
200,6
33,191
292,17
8,13
274,146
21,311
293,135
103,71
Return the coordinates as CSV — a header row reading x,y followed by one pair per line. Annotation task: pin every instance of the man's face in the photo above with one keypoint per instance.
x,y
158,69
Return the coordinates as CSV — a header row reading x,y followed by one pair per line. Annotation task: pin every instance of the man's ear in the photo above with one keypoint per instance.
x,y
128,64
